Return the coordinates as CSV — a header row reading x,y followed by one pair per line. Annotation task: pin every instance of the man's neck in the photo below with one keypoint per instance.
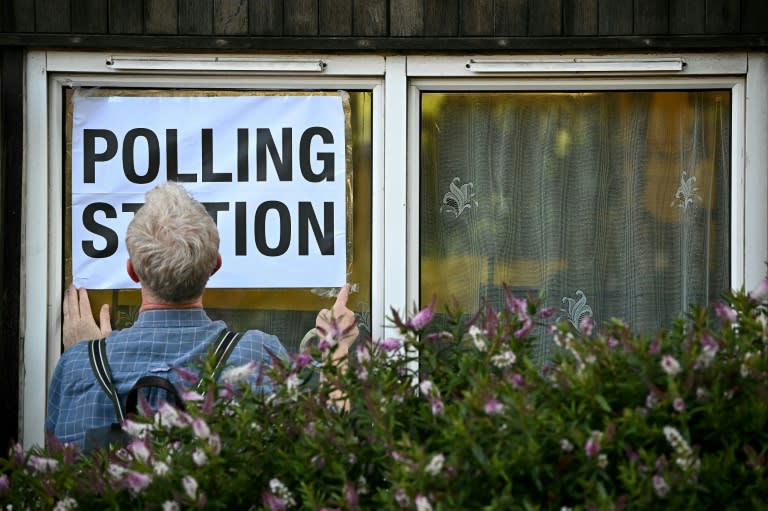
x,y
145,306
151,302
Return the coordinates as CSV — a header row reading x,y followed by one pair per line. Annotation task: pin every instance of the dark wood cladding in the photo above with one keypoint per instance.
x,y
382,24
11,118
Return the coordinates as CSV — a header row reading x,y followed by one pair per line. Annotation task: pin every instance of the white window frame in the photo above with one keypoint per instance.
x,y
46,73
396,82
744,74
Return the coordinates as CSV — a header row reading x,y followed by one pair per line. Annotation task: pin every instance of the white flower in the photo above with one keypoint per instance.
x,y
282,492
190,486
426,387
239,374
116,471
292,386
43,465
422,503
65,504
160,468
566,445
504,359
139,450
169,417
660,486
670,365
475,333
199,457
435,465
201,429
602,461
171,505
137,429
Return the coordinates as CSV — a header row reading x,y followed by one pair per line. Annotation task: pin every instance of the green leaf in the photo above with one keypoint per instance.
x,y
603,403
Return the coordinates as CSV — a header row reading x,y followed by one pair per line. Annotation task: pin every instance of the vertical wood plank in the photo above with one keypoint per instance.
x,y
545,17
335,17
11,173
125,17
265,17
52,16
369,17
687,16
230,17
441,17
476,17
615,17
754,16
724,17
510,17
300,17
161,16
196,17
18,16
580,17
406,18
89,17
651,17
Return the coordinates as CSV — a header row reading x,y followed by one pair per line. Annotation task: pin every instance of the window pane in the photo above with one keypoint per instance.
x,y
287,313
611,202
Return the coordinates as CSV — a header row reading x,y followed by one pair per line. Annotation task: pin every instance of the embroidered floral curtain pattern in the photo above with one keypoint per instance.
x,y
609,204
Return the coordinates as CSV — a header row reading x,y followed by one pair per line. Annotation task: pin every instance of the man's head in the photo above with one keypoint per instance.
x,y
173,244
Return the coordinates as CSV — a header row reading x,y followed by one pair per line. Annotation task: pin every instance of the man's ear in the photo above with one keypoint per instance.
x,y
218,264
131,271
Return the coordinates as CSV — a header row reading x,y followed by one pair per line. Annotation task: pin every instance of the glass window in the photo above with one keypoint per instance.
x,y
614,203
287,313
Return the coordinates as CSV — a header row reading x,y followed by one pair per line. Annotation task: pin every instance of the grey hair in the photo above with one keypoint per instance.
x,y
173,244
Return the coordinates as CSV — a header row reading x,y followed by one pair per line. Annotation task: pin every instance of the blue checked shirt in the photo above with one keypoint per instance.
x,y
158,341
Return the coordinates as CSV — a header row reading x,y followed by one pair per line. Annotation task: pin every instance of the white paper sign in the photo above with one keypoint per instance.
x,y
270,170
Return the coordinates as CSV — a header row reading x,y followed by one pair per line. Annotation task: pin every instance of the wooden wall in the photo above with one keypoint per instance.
x,y
384,24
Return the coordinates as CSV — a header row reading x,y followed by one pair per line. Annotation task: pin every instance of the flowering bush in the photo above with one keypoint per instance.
x,y
456,418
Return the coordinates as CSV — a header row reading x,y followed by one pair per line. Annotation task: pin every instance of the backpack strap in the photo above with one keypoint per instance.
x,y
222,349
97,355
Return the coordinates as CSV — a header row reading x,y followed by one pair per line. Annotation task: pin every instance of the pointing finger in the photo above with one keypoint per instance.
x,y
104,323
343,296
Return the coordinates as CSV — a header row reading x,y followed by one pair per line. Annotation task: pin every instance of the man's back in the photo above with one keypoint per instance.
x,y
159,341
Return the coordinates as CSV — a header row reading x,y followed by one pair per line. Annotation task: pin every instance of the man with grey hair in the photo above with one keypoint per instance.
x,y
173,249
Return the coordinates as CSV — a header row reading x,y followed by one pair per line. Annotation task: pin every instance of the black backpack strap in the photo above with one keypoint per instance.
x,y
131,400
222,349
97,354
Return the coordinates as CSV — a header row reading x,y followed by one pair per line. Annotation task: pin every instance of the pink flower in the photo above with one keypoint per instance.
x,y
760,292
670,365
5,483
725,313
678,404
422,318
525,329
660,486
350,495
136,481
592,447
517,380
654,347
493,407
43,465
402,498
437,406
546,312
586,325
389,344
273,502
